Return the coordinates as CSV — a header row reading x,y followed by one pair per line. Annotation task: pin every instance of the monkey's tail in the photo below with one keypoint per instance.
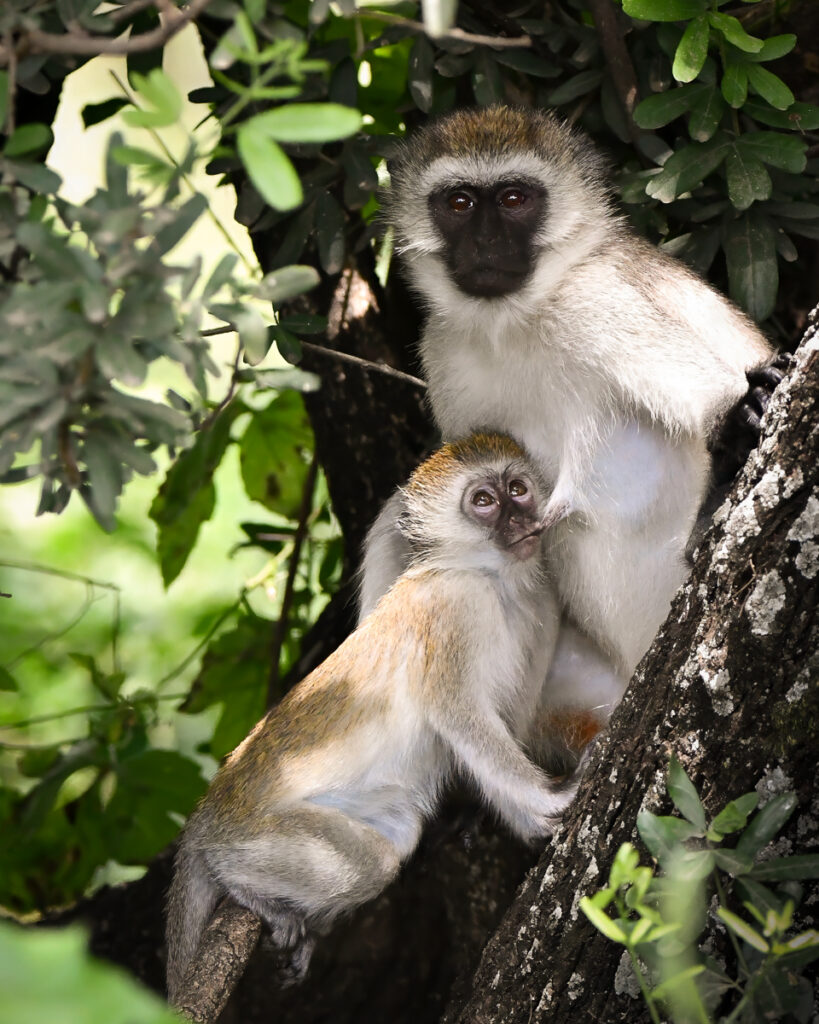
x,y
191,899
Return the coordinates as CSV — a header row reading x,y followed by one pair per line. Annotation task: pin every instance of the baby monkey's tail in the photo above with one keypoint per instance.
x,y
191,900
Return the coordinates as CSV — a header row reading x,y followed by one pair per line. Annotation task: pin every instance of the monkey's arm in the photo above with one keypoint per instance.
x,y
522,795
465,685
386,554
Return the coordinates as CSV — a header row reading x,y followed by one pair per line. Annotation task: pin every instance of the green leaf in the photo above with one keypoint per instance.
x,y
7,680
286,283
574,88
692,50
747,179
46,974
308,122
234,674
743,930
774,48
176,539
769,87
706,114
95,113
268,167
186,216
734,84
220,276
733,31
420,73
39,801
151,788
252,333
662,990
682,792
27,140
290,378
37,177
693,865
766,824
602,922
186,498
664,10
330,235
107,685
272,454
753,274
798,117
162,99
663,835
687,168
664,107
104,479
288,344
734,815
787,152
759,896
782,869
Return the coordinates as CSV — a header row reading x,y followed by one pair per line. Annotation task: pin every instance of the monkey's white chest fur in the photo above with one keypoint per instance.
x,y
631,486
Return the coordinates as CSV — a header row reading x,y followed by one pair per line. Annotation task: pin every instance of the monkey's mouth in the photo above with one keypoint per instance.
x,y
527,544
485,282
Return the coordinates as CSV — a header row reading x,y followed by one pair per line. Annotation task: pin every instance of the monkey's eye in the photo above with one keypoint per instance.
x,y
517,488
460,202
512,198
483,499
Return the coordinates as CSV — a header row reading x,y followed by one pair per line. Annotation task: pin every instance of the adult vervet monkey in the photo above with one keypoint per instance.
x,y
315,811
547,318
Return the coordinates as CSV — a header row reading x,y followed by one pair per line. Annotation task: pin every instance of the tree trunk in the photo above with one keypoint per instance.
x,y
730,685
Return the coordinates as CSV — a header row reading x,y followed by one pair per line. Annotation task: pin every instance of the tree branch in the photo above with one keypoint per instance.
x,y
227,942
80,44
618,59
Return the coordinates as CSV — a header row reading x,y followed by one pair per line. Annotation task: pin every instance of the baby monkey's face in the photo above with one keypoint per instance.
x,y
507,505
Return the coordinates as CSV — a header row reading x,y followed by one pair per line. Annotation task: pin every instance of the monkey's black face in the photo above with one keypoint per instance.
x,y
489,234
508,508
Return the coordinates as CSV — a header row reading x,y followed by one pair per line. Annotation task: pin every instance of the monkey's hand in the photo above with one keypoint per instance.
x,y
528,800
736,436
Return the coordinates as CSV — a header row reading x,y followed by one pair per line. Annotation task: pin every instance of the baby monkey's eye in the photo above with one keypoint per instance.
x,y
517,488
512,198
483,499
460,202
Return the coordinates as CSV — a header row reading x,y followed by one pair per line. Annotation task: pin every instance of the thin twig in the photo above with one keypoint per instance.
x,y
499,42
231,391
134,7
344,357
282,622
83,45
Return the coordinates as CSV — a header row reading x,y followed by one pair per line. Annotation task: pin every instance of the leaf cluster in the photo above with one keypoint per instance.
x,y
659,917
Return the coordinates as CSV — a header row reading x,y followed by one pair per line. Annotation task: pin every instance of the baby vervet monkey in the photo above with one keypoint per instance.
x,y
547,318
317,808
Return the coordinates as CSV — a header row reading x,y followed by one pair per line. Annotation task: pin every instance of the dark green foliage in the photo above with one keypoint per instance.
x,y
659,917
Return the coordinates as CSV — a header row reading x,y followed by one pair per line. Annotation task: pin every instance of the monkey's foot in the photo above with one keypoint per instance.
x,y
291,965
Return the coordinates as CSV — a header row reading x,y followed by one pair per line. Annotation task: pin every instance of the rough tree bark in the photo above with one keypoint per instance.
x,y
730,685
